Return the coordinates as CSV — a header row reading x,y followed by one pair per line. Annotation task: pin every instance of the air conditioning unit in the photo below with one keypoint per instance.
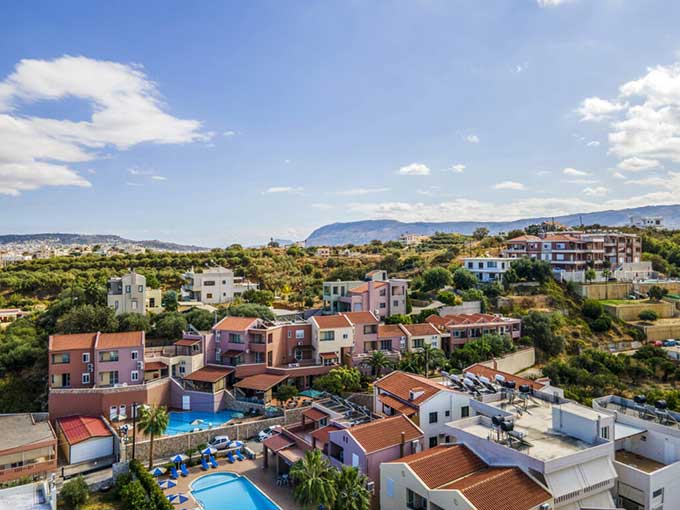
x,y
370,486
140,365
299,343
90,367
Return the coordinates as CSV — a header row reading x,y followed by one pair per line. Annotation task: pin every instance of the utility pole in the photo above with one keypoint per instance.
x,y
134,428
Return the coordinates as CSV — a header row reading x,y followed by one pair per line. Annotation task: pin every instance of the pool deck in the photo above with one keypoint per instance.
x,y
251,469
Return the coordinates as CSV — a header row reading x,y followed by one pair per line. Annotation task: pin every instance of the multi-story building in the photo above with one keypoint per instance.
x,y
378,294
420,335
128,294
214,285
647,458
458,329
647,222
332,338
452,477
28,447
410,239
370,336
487,269
577,250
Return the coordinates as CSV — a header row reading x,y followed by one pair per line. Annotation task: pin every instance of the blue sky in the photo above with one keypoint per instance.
x,y
221,122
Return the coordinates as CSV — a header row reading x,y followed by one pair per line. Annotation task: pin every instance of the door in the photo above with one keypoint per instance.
x,y
113,411
186,402
122,409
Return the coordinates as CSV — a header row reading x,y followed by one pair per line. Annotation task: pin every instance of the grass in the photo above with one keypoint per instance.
x,y
98,501
623,301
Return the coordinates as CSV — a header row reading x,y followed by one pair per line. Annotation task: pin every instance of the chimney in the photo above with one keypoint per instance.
x,y
401,444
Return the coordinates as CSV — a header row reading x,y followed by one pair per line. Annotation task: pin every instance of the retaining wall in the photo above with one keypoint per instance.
x,y
514,362
631,312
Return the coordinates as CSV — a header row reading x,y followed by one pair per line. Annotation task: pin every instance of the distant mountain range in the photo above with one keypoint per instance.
x,y
361,232
92,239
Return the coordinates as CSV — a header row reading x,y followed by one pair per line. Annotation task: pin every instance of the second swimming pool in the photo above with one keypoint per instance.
x,y
186,421
220,491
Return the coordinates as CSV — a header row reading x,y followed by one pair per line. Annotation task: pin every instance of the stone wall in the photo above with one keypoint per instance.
x,y
631,312
362,399
514,362
535,301
466,307
605,290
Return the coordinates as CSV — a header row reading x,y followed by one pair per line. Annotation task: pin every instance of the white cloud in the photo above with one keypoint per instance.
x,y
543,172
593,143
127,110
551,3
134,184
512,185
619,175
158,178
283,189
322,206
595,109
361,191
229,133
472,139
573,172
636,164
458,168
595,191
414,169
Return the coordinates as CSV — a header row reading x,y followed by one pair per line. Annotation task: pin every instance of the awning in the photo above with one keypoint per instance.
x,y
622,431
304,348
314,414
396,405
328,355
260,382
232,354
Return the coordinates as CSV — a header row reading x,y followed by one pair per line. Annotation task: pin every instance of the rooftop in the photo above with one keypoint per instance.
x,y
260,382
331,321
362,317
81,341
400,385
120,340
234,323
638,461
23,430
421,329
77,429
380,434
210,374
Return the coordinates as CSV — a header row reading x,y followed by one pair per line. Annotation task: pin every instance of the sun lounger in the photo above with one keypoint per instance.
x,y
204,464
173,473
230,457
184,470
239,455
213,462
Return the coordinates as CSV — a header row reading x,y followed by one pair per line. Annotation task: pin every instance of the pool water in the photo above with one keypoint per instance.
x,y
229,491
181,421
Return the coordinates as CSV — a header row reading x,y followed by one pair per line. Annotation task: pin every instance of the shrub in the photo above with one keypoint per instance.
x,y
655,292
592,309
75,492
601,324
133,496
464,279
648,315
157,500
449,298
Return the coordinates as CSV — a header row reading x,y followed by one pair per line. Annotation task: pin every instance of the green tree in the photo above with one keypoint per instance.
x,y
170,325
339,380
134,322
590,275
286,391
152,421
464,279
170,301
133,496
202,320
648,315
656,293
87,319
75,492
314,480
398,318
430,357
378,361
538,327
592,309
251,310
352,493
480,233
260,297
436,278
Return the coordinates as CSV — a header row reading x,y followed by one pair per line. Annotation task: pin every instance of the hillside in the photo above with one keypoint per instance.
x,y
61,238
362,232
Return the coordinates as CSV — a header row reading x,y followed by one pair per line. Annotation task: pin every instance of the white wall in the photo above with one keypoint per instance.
x,y
92,449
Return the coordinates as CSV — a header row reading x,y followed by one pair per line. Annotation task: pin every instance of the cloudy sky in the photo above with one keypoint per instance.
x,y
221,122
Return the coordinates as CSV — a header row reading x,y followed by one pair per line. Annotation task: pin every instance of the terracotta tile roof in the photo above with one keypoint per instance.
x,y
77,429
232,353
209,374
364,287
438,321
390,331
563,238
490,373
277,442
328,355
399,384
473,318
443,464
524,238
321,434
420,329
488,489
397,406
82,341
331,321
314,414
187,342
380,434
120,340
362,318
260,382
154,365
234,323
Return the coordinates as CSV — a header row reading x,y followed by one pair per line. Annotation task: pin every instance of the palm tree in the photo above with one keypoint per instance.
x,y
351,489
152,421
314,480
430,356
377,361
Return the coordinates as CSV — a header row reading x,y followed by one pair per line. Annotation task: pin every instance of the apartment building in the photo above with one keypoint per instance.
x,y
487,269
459,329
420,335
568,448
452,477
28,447
129,294
214,285
577,250
332,338
428,404
647,456
656,222
377,293
89,360
370,335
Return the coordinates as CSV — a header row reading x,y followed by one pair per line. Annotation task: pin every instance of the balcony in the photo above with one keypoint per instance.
x,y
35,468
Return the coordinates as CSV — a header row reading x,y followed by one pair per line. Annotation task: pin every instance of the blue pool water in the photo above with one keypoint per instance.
x,y
229,491
181,421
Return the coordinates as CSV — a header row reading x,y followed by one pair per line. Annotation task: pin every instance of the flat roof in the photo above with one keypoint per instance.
x,y
23,497
23,430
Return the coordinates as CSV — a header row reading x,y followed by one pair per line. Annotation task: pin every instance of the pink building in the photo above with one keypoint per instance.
x,y
377,294
459,329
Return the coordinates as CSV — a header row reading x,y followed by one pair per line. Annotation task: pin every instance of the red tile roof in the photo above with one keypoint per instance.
x,y
81,342
77,429
380,434
154,365
399,384
390,331
490,373
187,342
364,287
209,374
524,238
331,321
328,355
314,414
277,442
420,329
443,464
397,406
235,323
261,382
321,434
120,340
362,317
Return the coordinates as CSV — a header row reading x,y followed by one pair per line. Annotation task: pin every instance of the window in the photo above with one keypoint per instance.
x,y
383,305
658,493
433,441
209,295
417,343
135,354
433,417
604,432
259,357
128,289
209,283
385,345
140,288
470,265
86,357
235,338
116,304
290,334
389,488
134,304
345,336
327,336
134,375
447,413
108,356
355,460
299,334
465,411
85,378
335,290
395,303
370,329
383,292
60,359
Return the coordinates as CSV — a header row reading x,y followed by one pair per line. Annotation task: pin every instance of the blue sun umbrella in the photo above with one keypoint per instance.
x,y
172,497
167,484
209,451
158,471
179,458
180,498
235,444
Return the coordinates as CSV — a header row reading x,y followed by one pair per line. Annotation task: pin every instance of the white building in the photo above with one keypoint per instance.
x,y
127,294
647,458
567,447
487,269
409,239
647,222
214,285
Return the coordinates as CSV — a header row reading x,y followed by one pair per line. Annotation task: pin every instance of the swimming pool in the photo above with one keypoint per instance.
x,y
186,421
219,491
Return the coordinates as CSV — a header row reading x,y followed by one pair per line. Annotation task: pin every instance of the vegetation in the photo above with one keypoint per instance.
x,y
156,499
339,381
648,315
314,481
153,421
351,491
75,492
286,392
377,361
480,350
